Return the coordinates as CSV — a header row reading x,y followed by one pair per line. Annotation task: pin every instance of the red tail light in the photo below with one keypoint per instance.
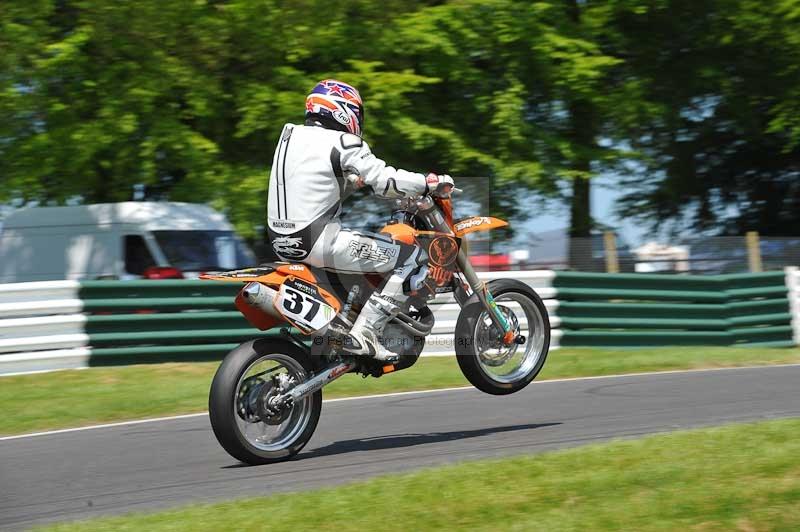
x,y
162,272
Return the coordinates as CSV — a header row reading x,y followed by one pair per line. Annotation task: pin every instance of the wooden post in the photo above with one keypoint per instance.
x,y
753,251
610,244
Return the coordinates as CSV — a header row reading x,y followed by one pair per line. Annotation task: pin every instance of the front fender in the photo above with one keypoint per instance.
x,y
477,223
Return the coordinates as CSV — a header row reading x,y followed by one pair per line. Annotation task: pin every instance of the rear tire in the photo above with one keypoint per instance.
x,y
476,366
226,403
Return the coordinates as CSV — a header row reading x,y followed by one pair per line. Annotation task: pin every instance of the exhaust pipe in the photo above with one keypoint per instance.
x,y
261,297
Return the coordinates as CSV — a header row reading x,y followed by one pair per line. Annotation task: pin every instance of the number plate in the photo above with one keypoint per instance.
x,y
303,306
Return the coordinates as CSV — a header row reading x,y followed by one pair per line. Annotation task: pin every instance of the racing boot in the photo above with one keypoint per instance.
x,y
364,337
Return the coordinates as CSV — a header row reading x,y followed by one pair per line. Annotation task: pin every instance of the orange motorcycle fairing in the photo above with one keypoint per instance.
x,y
274,276
477,223
442,249
401,232
309,291
329,298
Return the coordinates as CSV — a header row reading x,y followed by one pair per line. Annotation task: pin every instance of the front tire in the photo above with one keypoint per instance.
x,y
489,365
245,424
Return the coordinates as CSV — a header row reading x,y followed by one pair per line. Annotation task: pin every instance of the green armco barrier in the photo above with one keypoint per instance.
x,y
755,292
171,320
613,322
159,321
645,281
597,309
776,278
174,321
637,310
757,307
771,333
603,294
632,281
603,338
167,336
761,319
111,356
627,339
159,303
120,356
160,289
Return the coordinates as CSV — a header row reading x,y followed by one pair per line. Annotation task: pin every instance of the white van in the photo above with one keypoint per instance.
x,y
127,240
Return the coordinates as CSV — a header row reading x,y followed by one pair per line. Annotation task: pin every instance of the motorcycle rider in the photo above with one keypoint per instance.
x,y
315,167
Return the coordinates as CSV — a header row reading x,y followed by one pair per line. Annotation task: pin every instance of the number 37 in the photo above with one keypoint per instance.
x,y
298,302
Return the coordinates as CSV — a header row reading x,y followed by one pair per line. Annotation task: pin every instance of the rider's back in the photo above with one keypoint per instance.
x,y
306,179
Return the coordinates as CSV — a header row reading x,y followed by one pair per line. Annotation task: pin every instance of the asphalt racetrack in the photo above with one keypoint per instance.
x,y
160,464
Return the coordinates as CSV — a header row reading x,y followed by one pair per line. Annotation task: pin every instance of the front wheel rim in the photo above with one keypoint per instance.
x,y
517,361
264,436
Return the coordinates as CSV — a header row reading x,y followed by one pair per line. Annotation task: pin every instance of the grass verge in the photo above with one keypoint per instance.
x,y
739,477
74,398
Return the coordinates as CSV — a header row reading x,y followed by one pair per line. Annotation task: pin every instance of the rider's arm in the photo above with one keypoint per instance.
x,y
358,159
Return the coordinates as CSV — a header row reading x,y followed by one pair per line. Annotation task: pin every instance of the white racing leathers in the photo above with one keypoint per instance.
x,y
311,176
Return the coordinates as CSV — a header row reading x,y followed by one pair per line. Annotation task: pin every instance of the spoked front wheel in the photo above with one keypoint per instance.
x,y
248,421
489,364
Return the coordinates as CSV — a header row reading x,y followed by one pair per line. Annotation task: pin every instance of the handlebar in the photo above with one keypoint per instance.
x,y
451,191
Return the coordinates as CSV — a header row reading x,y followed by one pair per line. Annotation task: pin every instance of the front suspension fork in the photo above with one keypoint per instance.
x,y
484,296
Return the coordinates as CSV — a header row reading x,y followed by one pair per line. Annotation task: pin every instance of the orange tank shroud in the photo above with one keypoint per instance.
x,y
401,232
406,234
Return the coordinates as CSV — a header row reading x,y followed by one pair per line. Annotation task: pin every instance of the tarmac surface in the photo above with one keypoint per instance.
x,y
161,464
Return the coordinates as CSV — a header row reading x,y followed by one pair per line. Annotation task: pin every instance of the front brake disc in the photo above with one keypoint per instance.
x,y
489,337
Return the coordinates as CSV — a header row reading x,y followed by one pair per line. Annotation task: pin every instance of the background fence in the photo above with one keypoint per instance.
x,y
67,324
656,310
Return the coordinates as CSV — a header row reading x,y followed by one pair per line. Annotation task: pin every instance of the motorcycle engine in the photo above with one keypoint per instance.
x,y
406,344
397,340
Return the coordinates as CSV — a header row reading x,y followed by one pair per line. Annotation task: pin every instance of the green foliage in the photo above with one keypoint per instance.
x,y
188,97
509,70
719,133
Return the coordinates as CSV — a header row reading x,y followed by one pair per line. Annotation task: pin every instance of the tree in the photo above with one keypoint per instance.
x,y
720,142
525,92
188,97
184,97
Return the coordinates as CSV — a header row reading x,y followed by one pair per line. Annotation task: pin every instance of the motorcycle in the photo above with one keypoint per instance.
x,y
266,396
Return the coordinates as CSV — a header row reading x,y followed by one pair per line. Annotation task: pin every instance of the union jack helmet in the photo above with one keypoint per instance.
x,y
339,101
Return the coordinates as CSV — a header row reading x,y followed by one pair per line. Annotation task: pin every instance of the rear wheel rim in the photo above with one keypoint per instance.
x,y
510,364
263,436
